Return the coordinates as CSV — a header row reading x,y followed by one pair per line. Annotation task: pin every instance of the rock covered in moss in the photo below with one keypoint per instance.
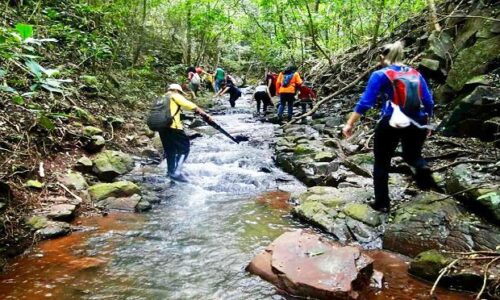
x,y
431,222
120,203
74,181
54,229
473,61
428,264
84,164
302,149
110,164
37,222
471,112
324,156
363,212
484,200
47,229
95,144
341,212
464,274
34,184
62,212
91,130
102,191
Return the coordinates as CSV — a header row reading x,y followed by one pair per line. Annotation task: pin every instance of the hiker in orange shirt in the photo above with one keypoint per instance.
x,y
286,86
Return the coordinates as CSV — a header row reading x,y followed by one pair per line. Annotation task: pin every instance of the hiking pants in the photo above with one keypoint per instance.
x,y
175,148
264,98
303,105
286,99
232,99
218,83
385,142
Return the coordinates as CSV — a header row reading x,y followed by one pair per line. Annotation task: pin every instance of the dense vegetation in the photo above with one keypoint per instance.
x,y
67,64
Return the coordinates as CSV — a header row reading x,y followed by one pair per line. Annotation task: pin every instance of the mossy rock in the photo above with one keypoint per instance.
x,y
324,156
84,164
473,61
117,189
363,213
34,184
37,222
315,213
440,44
89,80
428,264
303,149
430,64
74,181
84,115
110,164
91,131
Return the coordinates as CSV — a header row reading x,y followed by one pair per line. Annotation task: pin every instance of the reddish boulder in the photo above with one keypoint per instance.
x,y
305,264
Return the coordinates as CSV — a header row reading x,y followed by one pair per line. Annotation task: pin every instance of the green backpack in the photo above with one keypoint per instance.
x,y
160,117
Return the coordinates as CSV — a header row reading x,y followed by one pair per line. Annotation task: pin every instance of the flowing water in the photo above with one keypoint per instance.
x,y
195,244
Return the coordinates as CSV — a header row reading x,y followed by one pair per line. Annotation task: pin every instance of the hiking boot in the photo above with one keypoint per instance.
x,y
383,208
179,177
425,181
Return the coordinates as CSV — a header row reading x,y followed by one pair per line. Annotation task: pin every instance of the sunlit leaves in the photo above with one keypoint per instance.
x,y
24,30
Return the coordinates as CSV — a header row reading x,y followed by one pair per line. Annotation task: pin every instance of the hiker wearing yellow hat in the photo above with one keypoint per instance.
x,y
176,144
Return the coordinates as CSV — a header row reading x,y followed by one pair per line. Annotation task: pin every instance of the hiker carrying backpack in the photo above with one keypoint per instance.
x,y
404,116
286,85
165,118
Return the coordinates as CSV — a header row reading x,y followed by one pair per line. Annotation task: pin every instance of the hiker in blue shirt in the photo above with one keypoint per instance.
x,y
388,132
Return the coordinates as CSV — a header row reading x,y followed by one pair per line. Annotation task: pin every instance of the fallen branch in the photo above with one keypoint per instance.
x,y
332,96
455,163
459,192
442,273
485,278
70,192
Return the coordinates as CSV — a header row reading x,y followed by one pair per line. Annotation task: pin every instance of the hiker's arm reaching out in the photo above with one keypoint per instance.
x,y
203,114
365,103
222,92
349,126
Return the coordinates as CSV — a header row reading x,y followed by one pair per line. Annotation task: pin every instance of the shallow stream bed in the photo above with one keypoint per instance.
x,y
196,243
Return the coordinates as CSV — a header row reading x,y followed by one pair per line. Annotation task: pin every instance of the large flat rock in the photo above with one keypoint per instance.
x,y
304,264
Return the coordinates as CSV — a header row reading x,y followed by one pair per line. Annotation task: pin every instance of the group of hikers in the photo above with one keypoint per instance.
x,y
288,85
406,110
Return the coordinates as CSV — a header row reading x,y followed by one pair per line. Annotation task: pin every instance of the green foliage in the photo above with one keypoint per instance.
x,y
25,30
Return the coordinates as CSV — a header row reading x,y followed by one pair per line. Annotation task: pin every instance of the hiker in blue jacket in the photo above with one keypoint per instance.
x,y
394,84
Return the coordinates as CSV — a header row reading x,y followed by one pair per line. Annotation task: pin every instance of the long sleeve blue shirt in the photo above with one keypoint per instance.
x,y
380,83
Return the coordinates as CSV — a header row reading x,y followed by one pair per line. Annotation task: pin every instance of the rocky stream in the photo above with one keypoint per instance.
x,y
198,238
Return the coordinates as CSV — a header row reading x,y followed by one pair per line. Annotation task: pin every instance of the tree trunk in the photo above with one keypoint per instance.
x,y
141,35
434,19
380,13
188,33
313,36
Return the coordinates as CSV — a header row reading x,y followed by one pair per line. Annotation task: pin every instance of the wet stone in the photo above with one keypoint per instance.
x,y
110,164
54,229
430,222
465,274
84,164
304,264
121,203
143,206
95,144
62,212
74,181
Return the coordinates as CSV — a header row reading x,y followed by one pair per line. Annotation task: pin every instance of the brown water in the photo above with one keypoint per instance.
x,y
195,244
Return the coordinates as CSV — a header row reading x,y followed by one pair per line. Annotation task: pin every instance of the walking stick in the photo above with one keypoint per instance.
x,y
237,139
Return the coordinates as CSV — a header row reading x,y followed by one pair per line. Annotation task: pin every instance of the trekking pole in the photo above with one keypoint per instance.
x,y
236,139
